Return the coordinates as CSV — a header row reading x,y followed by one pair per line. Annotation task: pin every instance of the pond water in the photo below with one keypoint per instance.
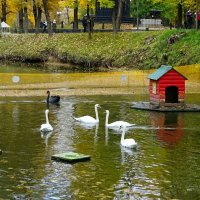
x,y
165,164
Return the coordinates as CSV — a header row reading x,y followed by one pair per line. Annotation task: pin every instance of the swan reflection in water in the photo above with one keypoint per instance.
x,y
46,136
107,133
85,125
89,127
127,153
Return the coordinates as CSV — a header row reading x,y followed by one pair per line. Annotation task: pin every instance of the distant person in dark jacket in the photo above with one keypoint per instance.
x,y
189,19
44,27
84,22
62,24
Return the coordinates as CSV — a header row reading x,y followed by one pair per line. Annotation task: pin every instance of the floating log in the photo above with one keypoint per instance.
x,y
71,157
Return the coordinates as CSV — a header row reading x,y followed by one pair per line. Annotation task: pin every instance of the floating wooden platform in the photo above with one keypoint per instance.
x,y
147,106
70,157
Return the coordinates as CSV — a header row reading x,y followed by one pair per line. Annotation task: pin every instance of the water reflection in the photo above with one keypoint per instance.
x,y
86,125
46,136
15,114
170,126
89,126
127,152
56,105
151,172
106,135
109,133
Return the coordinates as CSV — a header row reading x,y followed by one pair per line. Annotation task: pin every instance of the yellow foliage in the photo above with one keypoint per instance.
x,y
84,3
13,6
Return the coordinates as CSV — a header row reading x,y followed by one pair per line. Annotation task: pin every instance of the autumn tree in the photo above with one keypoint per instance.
x,y
37,12
75,23
74,4
119,13
46,11
25,10
20,7
3,10
175,10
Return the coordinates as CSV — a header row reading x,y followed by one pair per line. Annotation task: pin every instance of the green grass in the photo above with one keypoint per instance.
x,y
133,50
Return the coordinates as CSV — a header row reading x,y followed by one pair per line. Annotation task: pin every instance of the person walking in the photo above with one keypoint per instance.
x,y
84,22
44,27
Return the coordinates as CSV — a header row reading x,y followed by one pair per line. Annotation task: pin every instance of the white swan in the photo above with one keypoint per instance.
x,y
89,119
116,124
46,127
129,143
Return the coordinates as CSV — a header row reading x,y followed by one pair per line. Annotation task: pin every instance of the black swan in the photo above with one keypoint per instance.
x,y
52,99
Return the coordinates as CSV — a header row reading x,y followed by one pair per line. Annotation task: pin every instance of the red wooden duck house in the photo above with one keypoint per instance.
x,y
166,92
167,88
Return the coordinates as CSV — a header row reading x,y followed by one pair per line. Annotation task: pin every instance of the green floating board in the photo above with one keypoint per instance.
x,y
70,157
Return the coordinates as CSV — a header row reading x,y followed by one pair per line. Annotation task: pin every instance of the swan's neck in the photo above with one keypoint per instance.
x,y
123,134
47,119
48,98
96,112
107,116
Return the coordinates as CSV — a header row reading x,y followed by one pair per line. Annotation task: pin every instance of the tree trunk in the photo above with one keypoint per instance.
x,y
67,15
26,18
37,12
179,16
75,23
39,17
21,24
114,17
89,23
119,14
45,3
3,10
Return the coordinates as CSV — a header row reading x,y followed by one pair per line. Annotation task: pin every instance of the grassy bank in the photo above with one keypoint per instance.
x,y
133,50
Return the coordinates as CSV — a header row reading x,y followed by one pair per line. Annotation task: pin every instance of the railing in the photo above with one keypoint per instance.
x,y
102,19
150,23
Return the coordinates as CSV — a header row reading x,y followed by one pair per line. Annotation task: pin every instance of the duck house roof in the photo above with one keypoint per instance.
x,y
162,71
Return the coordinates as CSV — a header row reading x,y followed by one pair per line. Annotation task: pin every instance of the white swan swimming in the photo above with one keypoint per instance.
x,y
128,143
116,124
46,127
89,119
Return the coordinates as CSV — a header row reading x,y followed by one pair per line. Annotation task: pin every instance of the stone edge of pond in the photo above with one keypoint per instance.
x,y
69,92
